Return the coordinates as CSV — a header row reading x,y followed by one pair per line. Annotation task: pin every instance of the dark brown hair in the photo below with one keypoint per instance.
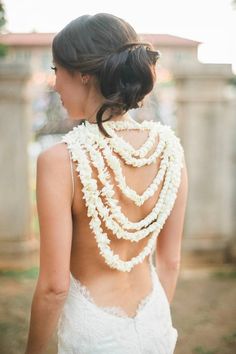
x,y
107,47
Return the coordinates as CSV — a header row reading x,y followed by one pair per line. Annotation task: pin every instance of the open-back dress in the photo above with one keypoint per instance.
x,y
83,326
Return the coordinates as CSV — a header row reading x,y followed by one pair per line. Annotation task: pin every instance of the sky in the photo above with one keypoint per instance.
x,y
212,22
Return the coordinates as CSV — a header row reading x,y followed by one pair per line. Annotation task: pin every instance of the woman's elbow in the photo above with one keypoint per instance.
x,y
53,290
173,265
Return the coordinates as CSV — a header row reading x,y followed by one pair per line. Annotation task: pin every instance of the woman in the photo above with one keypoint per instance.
x,y
108,195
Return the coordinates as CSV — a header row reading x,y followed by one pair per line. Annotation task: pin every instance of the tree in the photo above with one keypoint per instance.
x,y
2,15
3,47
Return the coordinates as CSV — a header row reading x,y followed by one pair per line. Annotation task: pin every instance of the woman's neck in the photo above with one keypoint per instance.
x,y
125,116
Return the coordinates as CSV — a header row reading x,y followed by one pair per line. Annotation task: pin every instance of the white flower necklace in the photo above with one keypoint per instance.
x,y
144,149
89,148
123,148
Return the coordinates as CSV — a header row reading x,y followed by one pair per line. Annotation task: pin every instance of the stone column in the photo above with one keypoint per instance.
x,y
231,250
15,206
205,126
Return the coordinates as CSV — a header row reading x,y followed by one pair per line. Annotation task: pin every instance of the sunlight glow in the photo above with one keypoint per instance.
x,y
211,22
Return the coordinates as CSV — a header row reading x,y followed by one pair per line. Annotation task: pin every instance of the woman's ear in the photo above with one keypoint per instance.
x,y
84,78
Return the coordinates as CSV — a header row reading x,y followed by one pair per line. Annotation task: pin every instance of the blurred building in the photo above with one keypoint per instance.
x,y
35,49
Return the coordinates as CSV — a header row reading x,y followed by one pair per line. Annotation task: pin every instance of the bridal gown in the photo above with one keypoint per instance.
x,y
86,328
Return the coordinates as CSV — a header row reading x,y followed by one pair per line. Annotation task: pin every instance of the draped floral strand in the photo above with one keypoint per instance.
x,y
91,149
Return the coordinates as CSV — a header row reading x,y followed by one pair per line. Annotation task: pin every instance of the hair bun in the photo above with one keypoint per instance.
x,y
127,75
107,47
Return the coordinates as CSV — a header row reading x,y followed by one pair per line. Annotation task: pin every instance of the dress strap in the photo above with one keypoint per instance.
x,y
72,178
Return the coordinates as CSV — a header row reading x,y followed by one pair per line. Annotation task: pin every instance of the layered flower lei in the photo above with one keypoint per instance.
x,y
90,148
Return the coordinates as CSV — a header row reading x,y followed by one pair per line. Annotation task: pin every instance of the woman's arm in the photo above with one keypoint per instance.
x,y
168,248
53,190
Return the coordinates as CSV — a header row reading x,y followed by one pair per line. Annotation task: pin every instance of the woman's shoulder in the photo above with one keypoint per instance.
x,y
55,154
149,124
172,141
73,135
167,131
164,126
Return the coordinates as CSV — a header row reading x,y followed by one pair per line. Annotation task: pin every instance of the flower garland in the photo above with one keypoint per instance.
x,y
120,147
108,192
144,149
84,141
114,163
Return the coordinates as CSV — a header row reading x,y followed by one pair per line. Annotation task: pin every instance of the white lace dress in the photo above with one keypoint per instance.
x,y
83,326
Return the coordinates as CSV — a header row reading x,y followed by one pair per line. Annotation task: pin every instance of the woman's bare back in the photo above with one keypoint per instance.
x,y
107,286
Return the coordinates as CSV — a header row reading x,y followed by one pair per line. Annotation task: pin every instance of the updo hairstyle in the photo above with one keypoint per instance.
x,y
108,48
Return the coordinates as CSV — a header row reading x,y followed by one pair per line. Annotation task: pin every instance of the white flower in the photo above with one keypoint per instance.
x,y
87,141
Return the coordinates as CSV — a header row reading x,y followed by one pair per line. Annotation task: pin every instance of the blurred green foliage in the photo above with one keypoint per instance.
x,y
3,47
229,274
201,350
2,15
232,81
31,273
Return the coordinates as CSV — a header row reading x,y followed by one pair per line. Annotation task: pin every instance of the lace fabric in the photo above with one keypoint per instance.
x,y
85,328
115,310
